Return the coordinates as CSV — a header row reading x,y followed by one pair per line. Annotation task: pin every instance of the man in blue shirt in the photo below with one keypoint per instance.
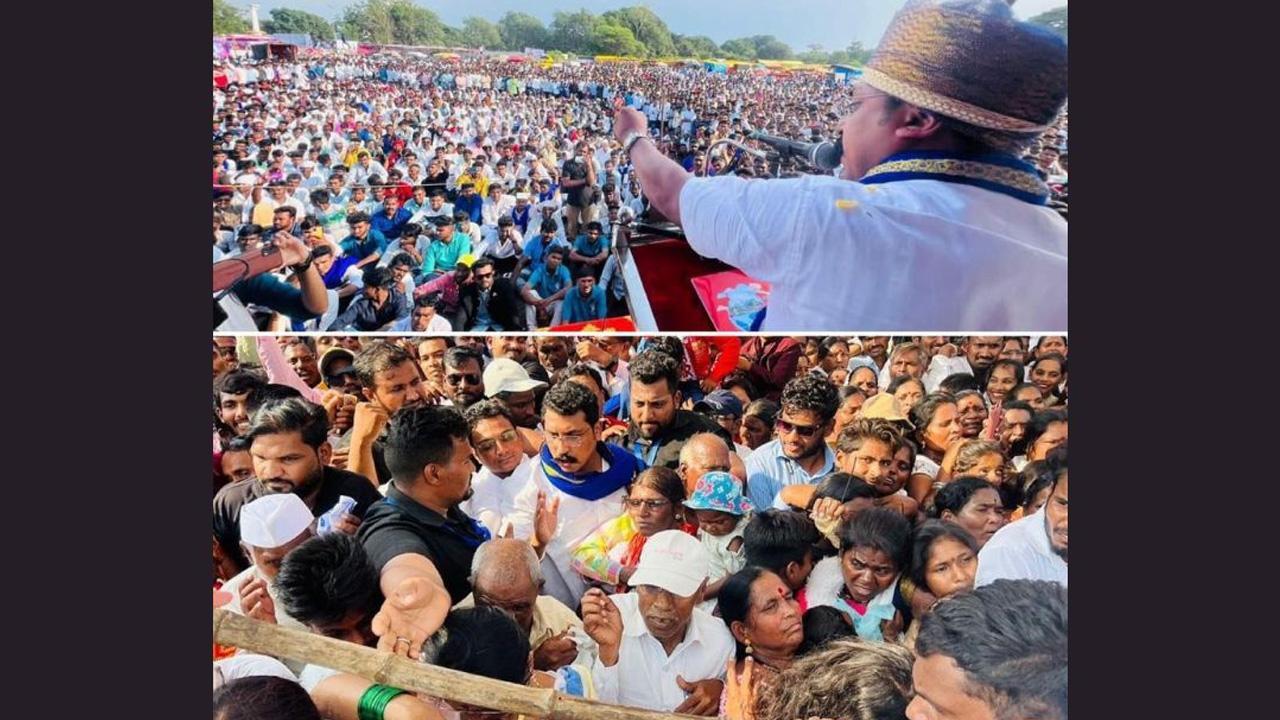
x,y
448,247
590,250
548,284
364,243
536,248
585,303
379,304
392,218
799,455
469,202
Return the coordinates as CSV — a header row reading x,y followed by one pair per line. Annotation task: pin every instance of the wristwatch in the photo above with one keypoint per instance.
x,y
302,266
630,140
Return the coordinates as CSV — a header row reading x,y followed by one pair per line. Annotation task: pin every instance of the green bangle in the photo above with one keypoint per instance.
x,y
373,702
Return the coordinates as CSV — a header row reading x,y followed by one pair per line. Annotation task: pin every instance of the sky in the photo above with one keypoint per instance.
x,y
799,23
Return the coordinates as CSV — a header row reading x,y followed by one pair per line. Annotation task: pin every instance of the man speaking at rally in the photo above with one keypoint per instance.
x,y
934,221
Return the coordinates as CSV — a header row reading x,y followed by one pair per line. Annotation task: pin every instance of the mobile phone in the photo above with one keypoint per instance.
x,y
268,245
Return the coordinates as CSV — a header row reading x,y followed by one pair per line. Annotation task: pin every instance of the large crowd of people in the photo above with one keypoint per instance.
x,y
473,194
762,527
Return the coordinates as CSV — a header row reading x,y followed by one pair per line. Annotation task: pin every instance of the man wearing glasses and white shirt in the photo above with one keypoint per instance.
x,y
505,468
581,477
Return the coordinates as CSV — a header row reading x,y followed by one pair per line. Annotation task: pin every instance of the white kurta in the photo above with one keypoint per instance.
x,y
914,255
493,499
577,518
1021,551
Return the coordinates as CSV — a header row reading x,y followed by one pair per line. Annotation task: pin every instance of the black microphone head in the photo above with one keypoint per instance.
x,y
826,156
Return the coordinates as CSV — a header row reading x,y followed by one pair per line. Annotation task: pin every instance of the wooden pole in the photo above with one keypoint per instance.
x,y
398,671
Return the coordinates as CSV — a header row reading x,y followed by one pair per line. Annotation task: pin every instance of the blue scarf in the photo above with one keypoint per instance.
x,y
623,467
998,172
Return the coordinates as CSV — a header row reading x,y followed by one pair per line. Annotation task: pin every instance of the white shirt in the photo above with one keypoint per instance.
x,y
576,519
494,498
645,676
931,254
1021,551
283,619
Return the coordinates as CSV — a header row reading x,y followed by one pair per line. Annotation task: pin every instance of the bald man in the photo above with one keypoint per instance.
x,y
701,454
506,573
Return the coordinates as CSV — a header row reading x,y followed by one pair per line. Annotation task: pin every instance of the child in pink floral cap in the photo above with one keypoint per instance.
x,y
722,514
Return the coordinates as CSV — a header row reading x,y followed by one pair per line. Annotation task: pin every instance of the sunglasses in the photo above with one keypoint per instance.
x,y
785,427
460,378
488,445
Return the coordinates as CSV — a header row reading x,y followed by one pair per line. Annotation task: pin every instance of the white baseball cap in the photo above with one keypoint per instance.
x,y
673,560
274,520
506,375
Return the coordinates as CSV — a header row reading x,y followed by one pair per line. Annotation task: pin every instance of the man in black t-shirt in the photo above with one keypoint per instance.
x,y
658,428
289,444
418,538
578,180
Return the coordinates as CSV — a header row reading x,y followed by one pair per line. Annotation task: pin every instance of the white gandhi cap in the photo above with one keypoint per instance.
x,y
274,520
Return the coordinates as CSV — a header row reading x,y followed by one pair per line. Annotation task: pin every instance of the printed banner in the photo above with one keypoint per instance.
x,y
735,302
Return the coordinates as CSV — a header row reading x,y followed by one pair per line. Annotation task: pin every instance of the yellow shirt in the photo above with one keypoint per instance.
x,y
481,183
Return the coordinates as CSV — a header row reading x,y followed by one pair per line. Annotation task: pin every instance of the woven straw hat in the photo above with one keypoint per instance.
x,y
972,61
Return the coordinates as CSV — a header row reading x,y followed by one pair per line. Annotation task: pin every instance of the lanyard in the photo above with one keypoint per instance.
x,y
482,533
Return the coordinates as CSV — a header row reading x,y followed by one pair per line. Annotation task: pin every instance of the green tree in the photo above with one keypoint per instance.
x,y
478,32
574,32
1055,19
284,20
610,39
697,46
739,49
228,19
369,21
769,47
814,53
392,21
521,30
855,54
647,28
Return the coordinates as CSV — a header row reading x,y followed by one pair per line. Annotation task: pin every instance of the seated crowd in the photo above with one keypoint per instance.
x,y
774,528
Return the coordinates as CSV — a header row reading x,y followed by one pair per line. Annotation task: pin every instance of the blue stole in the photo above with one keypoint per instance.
x,y
593,486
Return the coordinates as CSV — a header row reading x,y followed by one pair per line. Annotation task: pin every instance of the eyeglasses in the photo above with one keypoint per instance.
x,y
650,504
460,378
489,444
566,440
785,427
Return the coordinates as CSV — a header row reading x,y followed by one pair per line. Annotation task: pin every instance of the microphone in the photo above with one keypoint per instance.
x,y
823,155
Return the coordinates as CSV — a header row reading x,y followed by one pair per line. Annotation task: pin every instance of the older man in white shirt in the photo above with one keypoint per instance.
x,y
657,650
270,527
1033,548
